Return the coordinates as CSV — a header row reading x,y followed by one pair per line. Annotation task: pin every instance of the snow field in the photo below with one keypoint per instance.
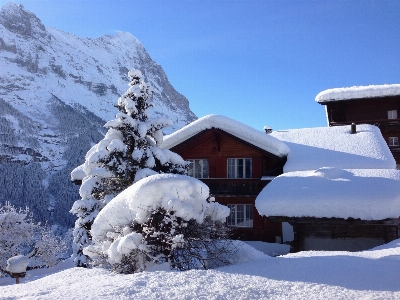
x,y
305,275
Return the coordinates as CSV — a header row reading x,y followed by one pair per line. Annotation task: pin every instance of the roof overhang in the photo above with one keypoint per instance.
x,y
242,132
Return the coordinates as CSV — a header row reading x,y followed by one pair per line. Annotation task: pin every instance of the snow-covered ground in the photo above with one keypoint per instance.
x,y
370,274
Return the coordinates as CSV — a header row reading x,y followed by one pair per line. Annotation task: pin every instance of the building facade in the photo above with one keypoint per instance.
x,y
234,169
376,105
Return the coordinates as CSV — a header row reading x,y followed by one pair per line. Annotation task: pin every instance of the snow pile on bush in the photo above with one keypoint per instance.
x,y
155,220
185,195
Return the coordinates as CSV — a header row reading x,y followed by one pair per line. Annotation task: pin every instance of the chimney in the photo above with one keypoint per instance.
x,y
353,128
267,129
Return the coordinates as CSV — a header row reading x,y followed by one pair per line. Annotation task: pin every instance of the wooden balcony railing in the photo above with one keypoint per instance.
x,y
231,187
371,121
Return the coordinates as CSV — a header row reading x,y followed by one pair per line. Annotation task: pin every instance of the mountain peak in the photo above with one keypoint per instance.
x,y
11,7
21,21
126,35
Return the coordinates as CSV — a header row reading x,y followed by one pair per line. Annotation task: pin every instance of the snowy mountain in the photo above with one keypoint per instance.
x,y
56,92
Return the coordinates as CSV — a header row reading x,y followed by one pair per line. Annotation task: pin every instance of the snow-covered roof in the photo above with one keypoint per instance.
x,y
331,192
255,137
313,148
358,92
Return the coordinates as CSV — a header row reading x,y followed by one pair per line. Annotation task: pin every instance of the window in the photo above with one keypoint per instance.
x,y
198,168
239,167
241,215
392,114
393,141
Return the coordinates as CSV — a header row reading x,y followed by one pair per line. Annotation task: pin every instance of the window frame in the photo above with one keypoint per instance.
x,y
248,216
393,141
392,114
236,169
193,163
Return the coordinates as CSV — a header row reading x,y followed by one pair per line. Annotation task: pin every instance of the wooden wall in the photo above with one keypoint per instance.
x,y
369,111
217,146
263,229
357,110
353,231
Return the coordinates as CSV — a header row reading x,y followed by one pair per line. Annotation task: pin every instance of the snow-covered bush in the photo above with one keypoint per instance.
x,y
164,217
50,248
16,231
128,153
19,235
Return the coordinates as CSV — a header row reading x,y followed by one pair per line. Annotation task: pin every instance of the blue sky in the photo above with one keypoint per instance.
x,y
259,62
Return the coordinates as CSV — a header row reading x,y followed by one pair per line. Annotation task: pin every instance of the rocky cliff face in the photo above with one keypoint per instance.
x,y
56,92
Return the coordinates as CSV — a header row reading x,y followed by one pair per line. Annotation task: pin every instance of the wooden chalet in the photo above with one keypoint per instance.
x,y
339,191
226,156
376,105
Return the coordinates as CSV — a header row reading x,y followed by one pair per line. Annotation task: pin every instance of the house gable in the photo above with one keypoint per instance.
x,y
217,146
241,131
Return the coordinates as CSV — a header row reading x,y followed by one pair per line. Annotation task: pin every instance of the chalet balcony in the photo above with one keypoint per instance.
x,y
230,186
234,187
378,122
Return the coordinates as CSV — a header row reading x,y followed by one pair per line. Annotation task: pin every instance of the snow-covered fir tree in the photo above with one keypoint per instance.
x,y
128,153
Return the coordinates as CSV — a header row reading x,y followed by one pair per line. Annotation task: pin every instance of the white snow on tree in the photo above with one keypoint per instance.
x,y
16,228
20,235
164,217
129,152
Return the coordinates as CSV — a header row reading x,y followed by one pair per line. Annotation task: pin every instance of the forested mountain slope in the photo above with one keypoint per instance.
x,y
56,92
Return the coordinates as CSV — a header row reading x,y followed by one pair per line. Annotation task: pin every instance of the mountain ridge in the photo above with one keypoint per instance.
x,y
56,92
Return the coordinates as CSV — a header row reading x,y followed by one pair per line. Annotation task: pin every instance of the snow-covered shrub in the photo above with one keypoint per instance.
x,y
128,153
19,235
203,246
164,217
49,248
16,232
